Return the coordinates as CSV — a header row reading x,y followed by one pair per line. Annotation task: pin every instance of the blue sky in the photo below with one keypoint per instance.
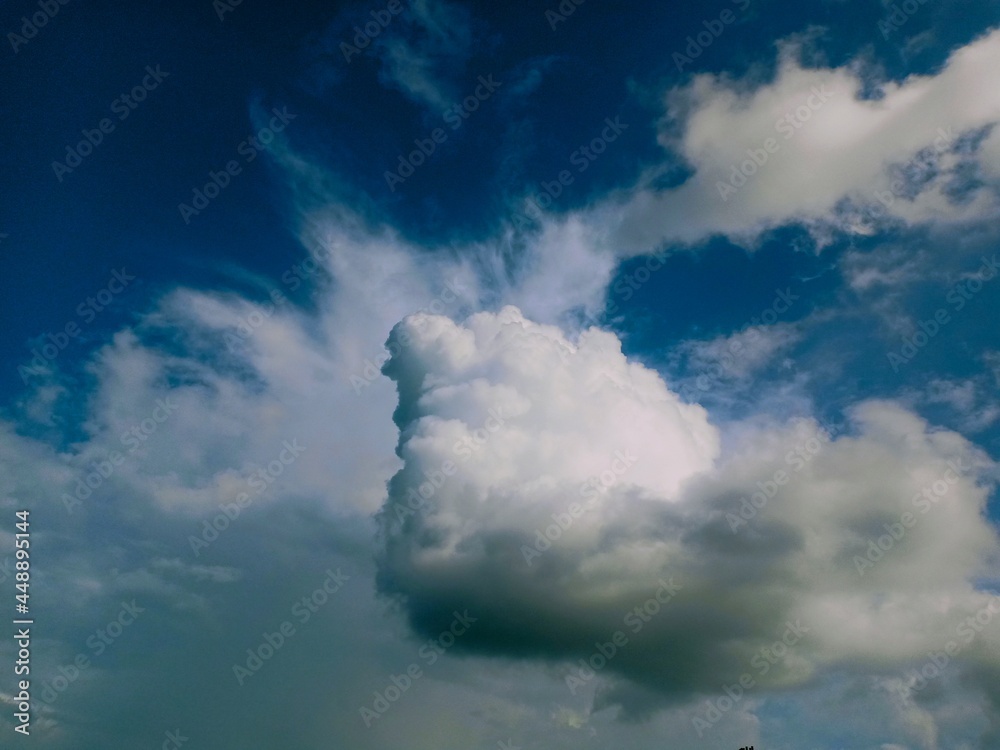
x,y
383,288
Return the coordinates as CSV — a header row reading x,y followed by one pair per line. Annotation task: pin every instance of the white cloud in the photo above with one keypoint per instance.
x,y
883,271
971,401
743,352
567,408
831,150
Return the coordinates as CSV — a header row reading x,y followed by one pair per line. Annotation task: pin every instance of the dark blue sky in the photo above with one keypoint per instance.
x,y
119,207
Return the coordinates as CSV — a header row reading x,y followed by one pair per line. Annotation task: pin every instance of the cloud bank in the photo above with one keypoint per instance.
x,y
552,487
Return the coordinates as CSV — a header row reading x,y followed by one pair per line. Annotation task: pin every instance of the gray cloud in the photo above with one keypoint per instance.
x,y
764,538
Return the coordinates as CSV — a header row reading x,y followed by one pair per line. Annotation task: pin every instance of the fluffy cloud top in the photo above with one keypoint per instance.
x,y
550,487
807,146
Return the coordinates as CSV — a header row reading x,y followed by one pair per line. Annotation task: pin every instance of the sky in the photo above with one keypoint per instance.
x,y
441,374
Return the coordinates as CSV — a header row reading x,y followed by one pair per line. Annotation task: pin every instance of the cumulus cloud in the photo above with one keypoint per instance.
x,y
528,522
809,147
